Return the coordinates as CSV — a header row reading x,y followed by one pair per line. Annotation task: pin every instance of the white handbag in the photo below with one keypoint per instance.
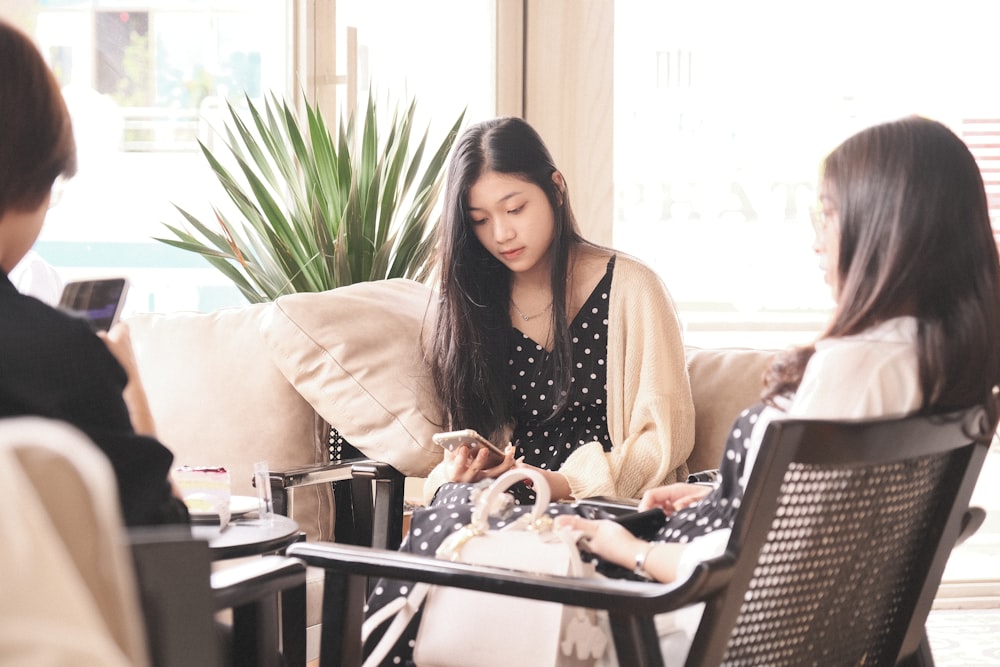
x,y
461,627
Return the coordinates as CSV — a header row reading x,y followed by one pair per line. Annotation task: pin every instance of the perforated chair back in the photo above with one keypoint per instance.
x,y
841,542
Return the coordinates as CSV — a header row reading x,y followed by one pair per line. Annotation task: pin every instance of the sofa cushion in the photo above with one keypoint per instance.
x,y
218,400
723,382
355,354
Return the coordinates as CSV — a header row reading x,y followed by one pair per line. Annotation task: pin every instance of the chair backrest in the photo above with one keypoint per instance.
x,y
173,571
841,541
67,589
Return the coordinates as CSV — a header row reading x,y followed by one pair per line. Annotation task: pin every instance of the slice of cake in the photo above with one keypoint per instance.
x,y
205,491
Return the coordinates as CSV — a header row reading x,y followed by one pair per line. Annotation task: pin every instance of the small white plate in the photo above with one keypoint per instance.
x,y
238,506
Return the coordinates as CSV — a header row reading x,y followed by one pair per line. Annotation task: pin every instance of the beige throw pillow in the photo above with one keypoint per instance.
x,y
355,354
723,382
219,401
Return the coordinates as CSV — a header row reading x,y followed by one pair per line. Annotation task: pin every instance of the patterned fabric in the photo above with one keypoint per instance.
x,y
585,418
719,507
452,509
542,443
649,405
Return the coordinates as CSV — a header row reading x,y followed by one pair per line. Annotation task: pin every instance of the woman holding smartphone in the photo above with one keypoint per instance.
x,y
531,346
52,365
569,351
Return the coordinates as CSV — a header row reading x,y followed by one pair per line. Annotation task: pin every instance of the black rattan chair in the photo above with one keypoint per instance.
x,y
835,558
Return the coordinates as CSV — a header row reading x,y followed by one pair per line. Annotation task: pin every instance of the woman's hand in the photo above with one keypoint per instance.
x,y
604,538
558,484
673,497
613,543
462,466
119,342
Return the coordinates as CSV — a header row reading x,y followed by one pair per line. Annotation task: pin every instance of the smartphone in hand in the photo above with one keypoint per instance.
x,y
452,440
97,301
645,524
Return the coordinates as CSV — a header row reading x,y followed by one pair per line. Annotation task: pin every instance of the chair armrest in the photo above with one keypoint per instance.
x,y
255,579
631,605
971,521
323,473
371,520
615,595
319,473
612,504
257,591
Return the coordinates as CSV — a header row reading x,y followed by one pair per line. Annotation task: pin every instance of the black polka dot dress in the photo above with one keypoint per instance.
x,y
718,509
543,443
547,444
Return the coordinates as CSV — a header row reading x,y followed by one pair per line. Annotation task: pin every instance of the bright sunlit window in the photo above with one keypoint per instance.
x,y
723,111
146,80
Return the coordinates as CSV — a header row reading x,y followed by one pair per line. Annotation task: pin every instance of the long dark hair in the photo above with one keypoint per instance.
x,y
472,332
915,239
36,135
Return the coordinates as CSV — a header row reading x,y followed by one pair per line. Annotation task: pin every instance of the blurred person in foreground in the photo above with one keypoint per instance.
x,y
51,364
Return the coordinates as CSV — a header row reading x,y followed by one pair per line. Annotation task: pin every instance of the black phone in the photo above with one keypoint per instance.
x,y
98,301
642,524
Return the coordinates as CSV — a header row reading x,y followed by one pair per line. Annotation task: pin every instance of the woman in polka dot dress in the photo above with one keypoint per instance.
x,y
568,351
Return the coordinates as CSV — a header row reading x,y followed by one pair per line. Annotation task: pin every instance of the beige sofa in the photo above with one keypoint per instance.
x,y
260,382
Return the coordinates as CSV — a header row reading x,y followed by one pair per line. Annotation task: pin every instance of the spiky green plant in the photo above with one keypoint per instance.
x,y
314,214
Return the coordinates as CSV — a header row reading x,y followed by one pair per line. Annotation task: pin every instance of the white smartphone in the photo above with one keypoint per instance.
x,y
97,301
451,440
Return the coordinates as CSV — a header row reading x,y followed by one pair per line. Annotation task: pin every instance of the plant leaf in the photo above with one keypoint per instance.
x,y
312,209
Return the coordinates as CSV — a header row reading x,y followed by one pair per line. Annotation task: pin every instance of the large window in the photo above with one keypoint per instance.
x,y
147,80
723,112
440,52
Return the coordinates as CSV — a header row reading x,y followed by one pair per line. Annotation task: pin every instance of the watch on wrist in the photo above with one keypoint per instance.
x,y
640,561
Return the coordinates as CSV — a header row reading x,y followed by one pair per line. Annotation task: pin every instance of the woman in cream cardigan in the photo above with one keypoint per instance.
x,y
569,351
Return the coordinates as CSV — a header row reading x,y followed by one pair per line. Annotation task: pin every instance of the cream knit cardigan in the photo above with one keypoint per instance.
x,y
650,410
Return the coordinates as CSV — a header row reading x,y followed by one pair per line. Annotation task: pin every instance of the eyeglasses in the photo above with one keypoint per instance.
x,y
820,219
57,190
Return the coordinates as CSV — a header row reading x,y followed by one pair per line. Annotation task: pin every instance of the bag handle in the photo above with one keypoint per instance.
x,y
401,611
481,514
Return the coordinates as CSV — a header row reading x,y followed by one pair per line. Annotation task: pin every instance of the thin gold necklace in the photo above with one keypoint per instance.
x,y
528,318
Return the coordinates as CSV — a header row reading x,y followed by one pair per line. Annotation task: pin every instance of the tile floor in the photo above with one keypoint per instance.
x,y
965,637
964,627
